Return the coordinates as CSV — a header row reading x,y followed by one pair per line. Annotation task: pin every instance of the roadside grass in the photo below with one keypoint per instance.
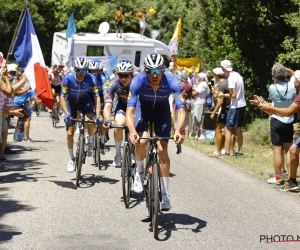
x,y
257,148
257,160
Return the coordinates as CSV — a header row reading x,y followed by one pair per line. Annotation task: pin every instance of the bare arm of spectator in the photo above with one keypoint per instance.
x,y
290,72
20,83
37,100
12,110
287,112
219,104
23,91
231,95
6,89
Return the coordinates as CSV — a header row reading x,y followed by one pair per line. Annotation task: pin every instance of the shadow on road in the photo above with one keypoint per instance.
x,y
65,184
7,205
169,222
135,200
89,180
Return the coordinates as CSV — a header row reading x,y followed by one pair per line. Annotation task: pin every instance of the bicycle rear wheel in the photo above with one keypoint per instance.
x,y
126,174
79,160
155,199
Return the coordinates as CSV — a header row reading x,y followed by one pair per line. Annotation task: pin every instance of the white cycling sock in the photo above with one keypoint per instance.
x,y
71,154
164,183
102,137
118,147
139,166
90,139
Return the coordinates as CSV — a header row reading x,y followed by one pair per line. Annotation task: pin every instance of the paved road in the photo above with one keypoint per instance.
x,y
215,206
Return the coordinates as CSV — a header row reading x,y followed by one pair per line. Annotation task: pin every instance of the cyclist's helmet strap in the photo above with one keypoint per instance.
x,y
154,61
81,63
124,66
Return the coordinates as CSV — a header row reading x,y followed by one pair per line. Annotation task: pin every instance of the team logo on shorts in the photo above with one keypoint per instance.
x,y
65,89
181,97
129,95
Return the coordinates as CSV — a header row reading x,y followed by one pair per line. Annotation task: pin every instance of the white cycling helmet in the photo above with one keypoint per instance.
x,y
100,66
81,63
124,66
154,61
93,65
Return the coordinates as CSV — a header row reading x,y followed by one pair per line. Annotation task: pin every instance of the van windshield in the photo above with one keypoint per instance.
x,y
95,50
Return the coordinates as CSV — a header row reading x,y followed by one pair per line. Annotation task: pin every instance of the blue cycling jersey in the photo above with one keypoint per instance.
x,y
140,88
77,90
104,80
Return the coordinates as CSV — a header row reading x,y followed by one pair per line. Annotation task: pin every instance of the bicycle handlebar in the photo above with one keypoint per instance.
x,y
82,120
155,139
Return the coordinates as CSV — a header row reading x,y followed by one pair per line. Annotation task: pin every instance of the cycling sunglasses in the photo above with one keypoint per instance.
x,y
124,75
155,71
81,71
94,71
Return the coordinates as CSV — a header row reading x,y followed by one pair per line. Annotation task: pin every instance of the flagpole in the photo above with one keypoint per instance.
x,y
16,30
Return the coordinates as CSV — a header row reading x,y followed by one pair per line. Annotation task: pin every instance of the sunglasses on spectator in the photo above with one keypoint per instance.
x,y
155,71
124,75
81,70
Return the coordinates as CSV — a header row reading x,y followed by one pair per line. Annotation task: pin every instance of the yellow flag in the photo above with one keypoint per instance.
x,y
173,45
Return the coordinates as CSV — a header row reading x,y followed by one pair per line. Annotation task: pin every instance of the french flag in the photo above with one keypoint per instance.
x,y
28,54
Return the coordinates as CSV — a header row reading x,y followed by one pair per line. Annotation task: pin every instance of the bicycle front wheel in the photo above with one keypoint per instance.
x,y
55,115
79,160
126,174
97,151
155,199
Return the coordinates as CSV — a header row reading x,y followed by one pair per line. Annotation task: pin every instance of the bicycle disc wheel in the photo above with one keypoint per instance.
x,y
155,199
126,174
79,160
98,151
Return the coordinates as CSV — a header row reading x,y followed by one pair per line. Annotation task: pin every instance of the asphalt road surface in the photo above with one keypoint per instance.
x,y
215,206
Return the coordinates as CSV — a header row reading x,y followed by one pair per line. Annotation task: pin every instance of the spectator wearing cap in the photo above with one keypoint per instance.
x,y
236,113
292,183
187,90
199,100
221,109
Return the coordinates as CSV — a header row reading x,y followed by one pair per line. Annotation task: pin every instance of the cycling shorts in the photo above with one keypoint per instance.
x,y
57,89
84,105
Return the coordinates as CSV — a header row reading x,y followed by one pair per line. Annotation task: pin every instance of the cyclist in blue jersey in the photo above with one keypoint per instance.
x,y
118,86
153,87
75,88
103,77
94,70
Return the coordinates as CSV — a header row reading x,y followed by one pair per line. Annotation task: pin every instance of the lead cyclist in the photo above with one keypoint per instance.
x,y
153,88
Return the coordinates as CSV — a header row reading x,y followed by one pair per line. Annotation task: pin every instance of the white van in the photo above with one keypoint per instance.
x,y
131,47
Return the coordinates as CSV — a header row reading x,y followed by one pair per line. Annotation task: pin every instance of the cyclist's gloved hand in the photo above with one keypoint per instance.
x,y
98,120
108,123
67,118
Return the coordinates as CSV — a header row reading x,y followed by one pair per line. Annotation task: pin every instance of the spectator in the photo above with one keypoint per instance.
x,y
119,21
187,94
22,99
199,100
142,20
113,75
222,106
2,62
292,183
236,113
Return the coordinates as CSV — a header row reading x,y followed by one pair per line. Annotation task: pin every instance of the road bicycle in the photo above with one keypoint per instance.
x,y
127,167
81,147
152,189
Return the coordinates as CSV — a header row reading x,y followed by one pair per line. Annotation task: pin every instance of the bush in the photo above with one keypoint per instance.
x,y
258,133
